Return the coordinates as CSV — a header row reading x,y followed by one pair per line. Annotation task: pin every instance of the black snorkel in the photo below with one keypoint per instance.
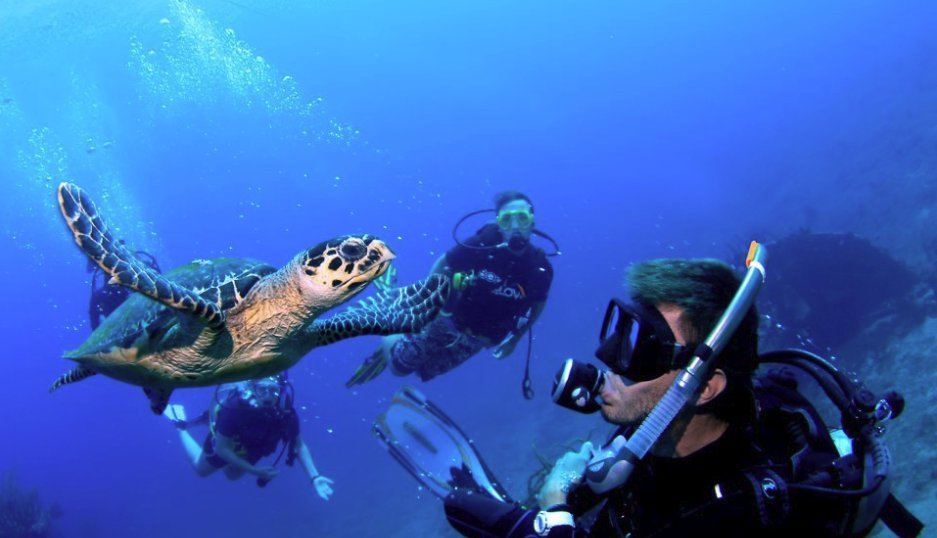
x,y
504,244
611,467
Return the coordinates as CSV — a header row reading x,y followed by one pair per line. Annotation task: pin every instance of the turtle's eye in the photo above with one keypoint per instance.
x,y
353,249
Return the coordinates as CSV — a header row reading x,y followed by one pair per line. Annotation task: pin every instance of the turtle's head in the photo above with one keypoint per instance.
x,y
337,269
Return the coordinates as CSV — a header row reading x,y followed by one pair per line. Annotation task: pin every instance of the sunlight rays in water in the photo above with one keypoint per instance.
x,y
202,64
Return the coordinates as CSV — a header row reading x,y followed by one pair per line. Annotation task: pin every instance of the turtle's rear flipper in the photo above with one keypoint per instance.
x,y
397,311
122,265
159,398
71,376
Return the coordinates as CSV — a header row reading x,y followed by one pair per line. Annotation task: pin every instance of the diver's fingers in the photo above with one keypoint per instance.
x,y
323,486
586,449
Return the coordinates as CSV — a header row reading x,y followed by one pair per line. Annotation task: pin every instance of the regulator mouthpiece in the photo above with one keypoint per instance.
x,y
578,386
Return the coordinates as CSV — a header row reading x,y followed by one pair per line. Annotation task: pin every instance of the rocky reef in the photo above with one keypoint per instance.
x,y
23,514
827,288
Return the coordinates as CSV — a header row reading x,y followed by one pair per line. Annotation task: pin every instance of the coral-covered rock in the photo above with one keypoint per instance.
x,y
829,286
22,513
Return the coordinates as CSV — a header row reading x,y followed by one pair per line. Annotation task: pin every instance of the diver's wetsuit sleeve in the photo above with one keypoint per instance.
x,y
477,515
582,500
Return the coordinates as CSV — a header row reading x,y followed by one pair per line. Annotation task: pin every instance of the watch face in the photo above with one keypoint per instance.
x,y
540,524
547,520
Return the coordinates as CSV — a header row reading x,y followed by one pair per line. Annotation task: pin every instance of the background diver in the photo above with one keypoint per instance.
x,y
105,298
247,422
500,286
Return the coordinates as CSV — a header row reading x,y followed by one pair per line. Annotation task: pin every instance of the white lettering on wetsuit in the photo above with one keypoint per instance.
x,y
488,276
509,292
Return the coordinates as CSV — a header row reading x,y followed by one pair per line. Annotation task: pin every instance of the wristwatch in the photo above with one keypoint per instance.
x,y
548,520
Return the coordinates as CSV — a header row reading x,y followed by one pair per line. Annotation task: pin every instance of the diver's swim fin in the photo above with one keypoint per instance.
x,y
432,448
175,413
369,369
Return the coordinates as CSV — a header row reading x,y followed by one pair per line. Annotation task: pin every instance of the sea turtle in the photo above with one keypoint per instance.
x,y
229,319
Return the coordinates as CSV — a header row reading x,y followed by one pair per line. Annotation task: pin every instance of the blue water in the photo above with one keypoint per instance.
x,y
259,128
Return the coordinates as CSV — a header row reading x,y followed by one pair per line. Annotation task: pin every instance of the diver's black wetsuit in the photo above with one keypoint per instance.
x,y
708,493
505,285
257,432
670,497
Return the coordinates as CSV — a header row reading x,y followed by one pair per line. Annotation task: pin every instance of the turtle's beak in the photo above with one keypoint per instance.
x,y
374,264
386,253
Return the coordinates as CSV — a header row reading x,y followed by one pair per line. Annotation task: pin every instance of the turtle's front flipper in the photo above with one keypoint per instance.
x,y
401,310
71,376
122,265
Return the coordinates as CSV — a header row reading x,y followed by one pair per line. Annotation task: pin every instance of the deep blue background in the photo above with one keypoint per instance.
x,y
639,130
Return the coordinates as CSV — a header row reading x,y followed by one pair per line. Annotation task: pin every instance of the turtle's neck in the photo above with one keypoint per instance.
x,y
277,306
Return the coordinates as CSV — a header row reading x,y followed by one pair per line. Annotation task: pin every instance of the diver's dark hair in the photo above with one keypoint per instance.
x,y
704,288
505,197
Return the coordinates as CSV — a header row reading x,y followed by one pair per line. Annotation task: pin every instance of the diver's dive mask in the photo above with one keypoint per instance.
x,y
635,343
264,392
271,393
511,219
515,226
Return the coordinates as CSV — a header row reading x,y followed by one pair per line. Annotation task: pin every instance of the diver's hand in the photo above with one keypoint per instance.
x,y
266,473
566,474
504,350
323,486
388,280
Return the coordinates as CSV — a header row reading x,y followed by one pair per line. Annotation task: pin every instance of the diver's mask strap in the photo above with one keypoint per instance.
x,y
636,342
509,219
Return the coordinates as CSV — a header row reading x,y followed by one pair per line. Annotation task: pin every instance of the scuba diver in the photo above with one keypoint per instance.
x,y
500,281
248,421
105,298
728,453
